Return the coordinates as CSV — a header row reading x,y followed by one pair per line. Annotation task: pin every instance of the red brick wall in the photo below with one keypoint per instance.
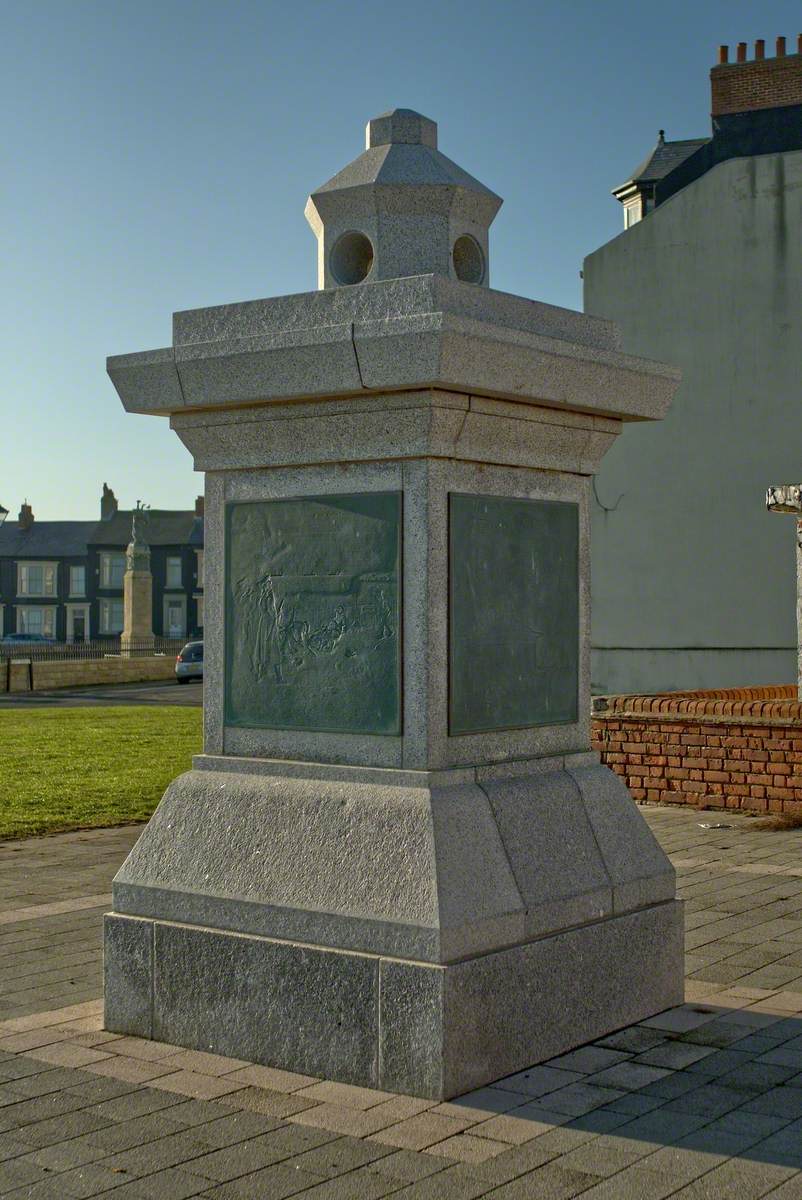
x,y
761,83
669,755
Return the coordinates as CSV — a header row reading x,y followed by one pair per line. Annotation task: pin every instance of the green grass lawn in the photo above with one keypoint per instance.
x,y
75,768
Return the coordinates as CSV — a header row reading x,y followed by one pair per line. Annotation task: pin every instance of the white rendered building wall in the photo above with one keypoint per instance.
x,y
693,583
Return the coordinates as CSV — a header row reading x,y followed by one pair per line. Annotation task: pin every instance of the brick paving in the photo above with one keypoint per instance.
x,y
701,1102
53,893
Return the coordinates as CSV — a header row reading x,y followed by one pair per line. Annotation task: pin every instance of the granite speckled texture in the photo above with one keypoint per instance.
x,y
426,1030
440,866
445,334
128,969
232,996
400,209
406,425
427,877
421,909
391,299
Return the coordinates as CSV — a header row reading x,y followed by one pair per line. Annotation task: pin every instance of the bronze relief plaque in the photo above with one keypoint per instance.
x,y
313,620
513,613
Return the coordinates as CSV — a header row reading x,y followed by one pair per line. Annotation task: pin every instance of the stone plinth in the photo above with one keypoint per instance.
x,y
398,862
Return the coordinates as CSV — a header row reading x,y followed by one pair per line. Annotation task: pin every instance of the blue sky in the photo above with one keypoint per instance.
x,y
157,156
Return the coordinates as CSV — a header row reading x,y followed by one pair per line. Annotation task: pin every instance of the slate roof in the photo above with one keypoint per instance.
x,y
664,158
196,536
164,527
45,539
71,539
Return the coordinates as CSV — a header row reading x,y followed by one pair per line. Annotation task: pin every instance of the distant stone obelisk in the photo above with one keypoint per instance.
x,y
137,634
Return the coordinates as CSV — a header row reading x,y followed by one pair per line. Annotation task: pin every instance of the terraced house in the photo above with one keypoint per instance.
x,y
64,579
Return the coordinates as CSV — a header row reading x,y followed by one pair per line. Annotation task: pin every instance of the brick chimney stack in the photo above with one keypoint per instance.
x,y
25,517
761,83
108,503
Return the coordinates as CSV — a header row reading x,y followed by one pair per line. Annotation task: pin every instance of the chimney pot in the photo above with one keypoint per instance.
x,y
799,43
199,506
760,48
25,516
741,53
108,503
780,47
723,54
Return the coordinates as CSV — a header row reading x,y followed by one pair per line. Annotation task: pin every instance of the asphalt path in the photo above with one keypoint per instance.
x,y
187,695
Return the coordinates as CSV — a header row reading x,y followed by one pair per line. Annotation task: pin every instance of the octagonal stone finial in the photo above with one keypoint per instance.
x,y
401,209
401,126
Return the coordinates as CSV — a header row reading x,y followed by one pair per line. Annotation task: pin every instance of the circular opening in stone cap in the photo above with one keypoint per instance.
x,y
351,257
469,262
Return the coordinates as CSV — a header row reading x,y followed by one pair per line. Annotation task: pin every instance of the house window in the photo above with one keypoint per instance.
x,y
77,581
174,572
112,569
40,621
111,616
199,556
36,579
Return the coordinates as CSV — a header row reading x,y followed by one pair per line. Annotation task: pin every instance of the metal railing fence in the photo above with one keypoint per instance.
x,y
96,648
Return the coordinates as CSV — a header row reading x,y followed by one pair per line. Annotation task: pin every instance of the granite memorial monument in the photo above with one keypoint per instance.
x,y
397,862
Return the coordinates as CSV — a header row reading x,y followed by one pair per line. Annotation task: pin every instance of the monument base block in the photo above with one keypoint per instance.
x,y
138,646
417,1028
417,932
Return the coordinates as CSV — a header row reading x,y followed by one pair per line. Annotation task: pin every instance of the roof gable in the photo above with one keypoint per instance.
x,y
163,527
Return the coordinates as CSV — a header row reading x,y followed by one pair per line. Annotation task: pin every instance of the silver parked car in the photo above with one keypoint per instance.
x,y
189,663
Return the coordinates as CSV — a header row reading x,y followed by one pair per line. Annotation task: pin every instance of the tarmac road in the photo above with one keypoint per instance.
x,y
189,695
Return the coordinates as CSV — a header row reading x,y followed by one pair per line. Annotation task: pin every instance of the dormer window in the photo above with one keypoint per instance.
x,y
632,213
643,190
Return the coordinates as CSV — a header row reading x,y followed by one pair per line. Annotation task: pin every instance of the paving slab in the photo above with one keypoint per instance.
x,y
699,1102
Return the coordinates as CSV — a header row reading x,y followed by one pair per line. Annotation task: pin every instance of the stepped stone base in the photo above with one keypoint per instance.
x,y
416,1028
418,932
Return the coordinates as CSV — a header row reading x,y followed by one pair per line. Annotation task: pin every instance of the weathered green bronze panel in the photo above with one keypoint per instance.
x,y
313,613
513,613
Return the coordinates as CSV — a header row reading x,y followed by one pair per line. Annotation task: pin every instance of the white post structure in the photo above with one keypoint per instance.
x,y
787,498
